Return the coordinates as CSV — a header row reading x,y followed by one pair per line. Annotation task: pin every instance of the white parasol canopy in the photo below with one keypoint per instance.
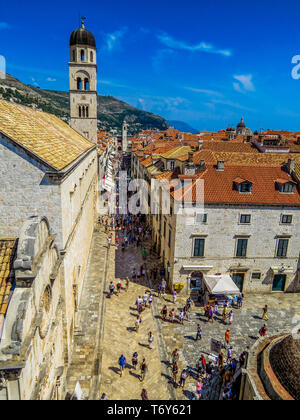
x,y
221,285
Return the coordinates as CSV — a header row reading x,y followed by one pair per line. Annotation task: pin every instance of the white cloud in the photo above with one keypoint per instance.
x,y
205,91
112,40
245,83
34,82
50,79
203,46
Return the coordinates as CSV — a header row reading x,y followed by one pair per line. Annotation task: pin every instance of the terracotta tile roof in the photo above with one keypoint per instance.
x,y
45,135
219,186
153,170
7,252
228,146
297,170
255,159
146,162
177,152
165,175
284,181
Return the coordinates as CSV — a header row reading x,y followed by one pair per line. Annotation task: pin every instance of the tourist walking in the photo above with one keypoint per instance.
x,y
150,301
134,360
230,317
144,368
174,372
227,337
263,331
145,299
199,389
181,317
174,296
127,284
175,356
199,332
225,314
183,377
150,340
144,395
265,313
119,287
122,364
138,323
164,312
172,315
111,288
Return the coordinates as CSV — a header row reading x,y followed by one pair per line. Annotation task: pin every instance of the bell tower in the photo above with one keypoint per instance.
x,y
83,83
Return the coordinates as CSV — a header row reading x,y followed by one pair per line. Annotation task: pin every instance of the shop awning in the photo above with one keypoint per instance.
x,y
197,267
221,285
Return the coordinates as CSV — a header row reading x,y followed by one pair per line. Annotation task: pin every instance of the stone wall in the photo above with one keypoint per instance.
x,y
24,190
221,232
33,335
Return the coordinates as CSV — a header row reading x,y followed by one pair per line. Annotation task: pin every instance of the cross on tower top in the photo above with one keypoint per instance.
x,y
82,21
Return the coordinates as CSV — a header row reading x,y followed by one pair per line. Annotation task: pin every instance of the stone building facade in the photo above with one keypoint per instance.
x,y
244,223
220,232
50,175
33,346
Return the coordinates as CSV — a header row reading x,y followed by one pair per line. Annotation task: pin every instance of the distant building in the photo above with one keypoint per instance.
x,y
242,130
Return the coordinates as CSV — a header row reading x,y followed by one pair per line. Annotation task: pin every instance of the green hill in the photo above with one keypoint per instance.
x,y
111,111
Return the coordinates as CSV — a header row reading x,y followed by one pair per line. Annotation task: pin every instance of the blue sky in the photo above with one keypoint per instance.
x,y
203,62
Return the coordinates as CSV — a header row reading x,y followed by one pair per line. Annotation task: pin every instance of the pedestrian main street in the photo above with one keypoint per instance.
x,y
106,329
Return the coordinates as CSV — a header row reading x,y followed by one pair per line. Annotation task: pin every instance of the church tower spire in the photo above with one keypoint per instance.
x,y
83,82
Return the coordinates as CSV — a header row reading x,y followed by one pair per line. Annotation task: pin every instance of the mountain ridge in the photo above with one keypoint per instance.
x,y
111,111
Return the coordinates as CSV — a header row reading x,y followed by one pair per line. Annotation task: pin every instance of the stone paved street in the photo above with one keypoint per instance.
x,y
105,330
244,330
120,337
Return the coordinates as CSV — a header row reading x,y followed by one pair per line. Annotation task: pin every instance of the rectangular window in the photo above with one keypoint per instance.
x,y
170,237
286,219
245,219
245,187
199,247
172,165
165,228
287,188
241,250
282,248
201,218
256,276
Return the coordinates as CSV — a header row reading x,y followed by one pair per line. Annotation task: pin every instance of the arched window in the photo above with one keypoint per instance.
x,y
79,83
87,112
83,112
74,55
79,112
91,57
82,55
86,84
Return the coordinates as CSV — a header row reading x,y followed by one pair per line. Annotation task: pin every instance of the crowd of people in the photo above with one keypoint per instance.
x,y
133,232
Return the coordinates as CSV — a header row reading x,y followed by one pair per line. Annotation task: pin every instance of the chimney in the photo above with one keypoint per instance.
x,y
202,165
220,165
191,156
291,166
200,143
